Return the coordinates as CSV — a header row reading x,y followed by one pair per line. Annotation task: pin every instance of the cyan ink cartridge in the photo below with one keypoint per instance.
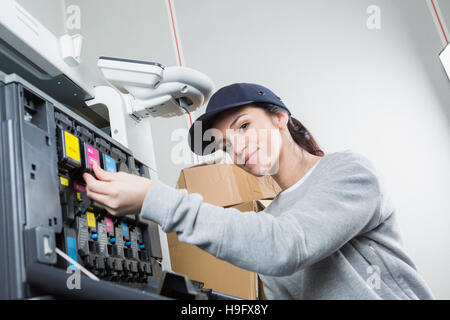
x,y
109,163
121,160
125,232
70,245
69,150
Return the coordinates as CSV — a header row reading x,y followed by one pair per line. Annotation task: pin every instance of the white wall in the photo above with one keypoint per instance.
x,y
382,92
47,12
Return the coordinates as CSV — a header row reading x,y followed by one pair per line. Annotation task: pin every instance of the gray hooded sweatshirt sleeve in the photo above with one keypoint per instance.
x,y
333,237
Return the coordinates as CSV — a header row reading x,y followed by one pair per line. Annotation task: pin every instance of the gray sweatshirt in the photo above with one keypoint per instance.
x,y
333,237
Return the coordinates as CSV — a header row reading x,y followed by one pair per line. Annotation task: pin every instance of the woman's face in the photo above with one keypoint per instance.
x,y
252,138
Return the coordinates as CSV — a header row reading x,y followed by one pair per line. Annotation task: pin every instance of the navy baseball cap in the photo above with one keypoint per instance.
x,y
231,96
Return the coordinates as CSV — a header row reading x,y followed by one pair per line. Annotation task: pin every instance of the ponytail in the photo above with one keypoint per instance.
x,y
298,131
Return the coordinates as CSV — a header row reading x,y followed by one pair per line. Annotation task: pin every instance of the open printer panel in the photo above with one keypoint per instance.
x,y
44,149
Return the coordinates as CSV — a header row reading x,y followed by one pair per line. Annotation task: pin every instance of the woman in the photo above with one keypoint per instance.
x,y
330,234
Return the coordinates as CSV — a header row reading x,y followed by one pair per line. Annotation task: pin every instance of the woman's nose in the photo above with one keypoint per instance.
x,y
239,149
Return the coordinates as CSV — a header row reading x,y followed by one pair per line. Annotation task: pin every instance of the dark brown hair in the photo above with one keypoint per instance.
x,y
298,131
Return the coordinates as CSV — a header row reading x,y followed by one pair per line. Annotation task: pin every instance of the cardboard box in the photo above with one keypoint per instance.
x,y
229,186
226,184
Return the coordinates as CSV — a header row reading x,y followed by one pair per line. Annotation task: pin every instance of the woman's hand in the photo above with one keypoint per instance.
x,y
120,193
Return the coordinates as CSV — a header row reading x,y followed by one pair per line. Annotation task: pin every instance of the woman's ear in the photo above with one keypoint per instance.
x,y
283,119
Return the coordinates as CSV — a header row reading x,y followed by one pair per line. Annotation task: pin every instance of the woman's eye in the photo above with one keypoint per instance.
x,y
243,126
227,147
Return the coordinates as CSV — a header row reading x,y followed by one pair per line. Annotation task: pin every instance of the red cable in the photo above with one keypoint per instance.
x,y
179,56
190,119
439,20
175,34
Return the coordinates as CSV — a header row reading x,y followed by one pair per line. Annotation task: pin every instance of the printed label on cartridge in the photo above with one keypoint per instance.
x,y
92,156
64,181
72,146
90,219
79,187
109,225
110,164
72,251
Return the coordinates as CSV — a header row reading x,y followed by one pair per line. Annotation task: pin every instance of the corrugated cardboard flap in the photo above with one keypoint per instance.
x,y
227,184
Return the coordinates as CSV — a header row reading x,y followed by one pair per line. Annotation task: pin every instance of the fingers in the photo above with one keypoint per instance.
x,y
100,198
110,205
110,201
104,188
88,178
102,174
108,209
96,185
